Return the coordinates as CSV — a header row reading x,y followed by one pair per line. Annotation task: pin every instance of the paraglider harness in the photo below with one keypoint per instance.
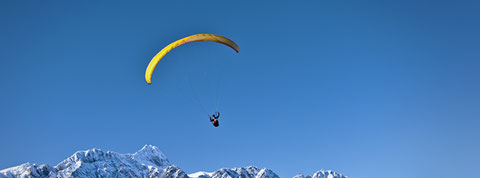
x,y
214,119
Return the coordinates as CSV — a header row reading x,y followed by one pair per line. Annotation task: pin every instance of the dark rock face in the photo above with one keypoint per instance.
x,y
174,172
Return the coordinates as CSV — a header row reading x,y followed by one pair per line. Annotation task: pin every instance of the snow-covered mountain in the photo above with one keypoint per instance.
x,y
249,171
147,162
322,174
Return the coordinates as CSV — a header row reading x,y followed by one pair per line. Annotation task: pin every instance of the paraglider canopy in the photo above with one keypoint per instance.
x,y
199,37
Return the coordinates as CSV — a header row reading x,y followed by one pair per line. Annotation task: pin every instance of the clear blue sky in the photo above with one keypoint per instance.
x,y
365,88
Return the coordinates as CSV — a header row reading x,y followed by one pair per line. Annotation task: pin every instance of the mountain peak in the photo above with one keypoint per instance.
x,y
151,155
150,150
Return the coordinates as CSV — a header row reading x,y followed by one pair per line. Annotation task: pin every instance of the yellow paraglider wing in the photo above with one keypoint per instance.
x,y
199,37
